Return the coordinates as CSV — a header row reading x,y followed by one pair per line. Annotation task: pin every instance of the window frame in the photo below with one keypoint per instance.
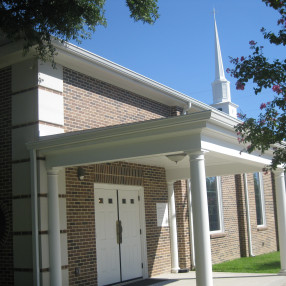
x,y
262,199
220,206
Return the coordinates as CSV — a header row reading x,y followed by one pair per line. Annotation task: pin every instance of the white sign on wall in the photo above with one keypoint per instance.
x,y
162,214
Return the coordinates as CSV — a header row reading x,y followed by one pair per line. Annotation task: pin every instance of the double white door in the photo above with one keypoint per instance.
x,y
118,236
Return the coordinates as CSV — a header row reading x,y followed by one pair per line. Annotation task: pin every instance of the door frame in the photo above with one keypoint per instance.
x,y
142,219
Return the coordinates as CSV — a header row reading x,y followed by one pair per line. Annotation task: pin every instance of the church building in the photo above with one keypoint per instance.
x,y
108,176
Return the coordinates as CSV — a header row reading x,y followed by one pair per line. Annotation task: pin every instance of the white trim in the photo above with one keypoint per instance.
x,y
220,207
191,223
141,215
246,196
262,200
35,218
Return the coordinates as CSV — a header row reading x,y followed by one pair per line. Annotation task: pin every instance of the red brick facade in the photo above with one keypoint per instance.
x,y
91,103
183,230
6,232
81,218
263,239
233,243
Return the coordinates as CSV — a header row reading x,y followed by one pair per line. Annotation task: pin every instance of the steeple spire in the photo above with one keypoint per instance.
x,y
219,70
221,86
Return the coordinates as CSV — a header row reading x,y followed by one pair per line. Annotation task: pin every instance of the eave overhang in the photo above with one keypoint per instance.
x,y
83,61
150,141
160,136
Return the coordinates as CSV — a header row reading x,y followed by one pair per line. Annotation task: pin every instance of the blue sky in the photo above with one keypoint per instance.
x,y
178,50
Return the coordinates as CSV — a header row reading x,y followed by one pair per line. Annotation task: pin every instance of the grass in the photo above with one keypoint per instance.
x,y
266,263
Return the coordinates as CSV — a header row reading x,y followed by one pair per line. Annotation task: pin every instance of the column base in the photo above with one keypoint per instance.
x,y
175,270
184,270
282,272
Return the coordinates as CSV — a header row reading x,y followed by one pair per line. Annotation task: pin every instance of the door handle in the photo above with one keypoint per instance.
x,y
119,230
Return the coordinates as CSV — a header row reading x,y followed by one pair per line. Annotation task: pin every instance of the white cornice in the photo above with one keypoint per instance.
x,y
81,60
152,127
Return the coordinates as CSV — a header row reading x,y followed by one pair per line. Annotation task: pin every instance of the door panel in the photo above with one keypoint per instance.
x,y
107,250
117,262
131,240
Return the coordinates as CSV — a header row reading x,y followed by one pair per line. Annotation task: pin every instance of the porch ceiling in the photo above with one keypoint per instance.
x,y
149,142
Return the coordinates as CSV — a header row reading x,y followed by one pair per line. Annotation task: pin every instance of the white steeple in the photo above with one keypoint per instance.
x,y
221,86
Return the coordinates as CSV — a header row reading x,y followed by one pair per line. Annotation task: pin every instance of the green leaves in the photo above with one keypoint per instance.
x,y
143,10
269,130
38,21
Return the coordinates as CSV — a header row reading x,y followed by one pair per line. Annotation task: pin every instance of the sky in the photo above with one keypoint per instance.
x,y
178,50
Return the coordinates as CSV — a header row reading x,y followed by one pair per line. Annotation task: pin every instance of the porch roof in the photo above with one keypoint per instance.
x,y
149,142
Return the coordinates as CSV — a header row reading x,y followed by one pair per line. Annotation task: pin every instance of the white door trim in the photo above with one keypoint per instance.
x,y
141,215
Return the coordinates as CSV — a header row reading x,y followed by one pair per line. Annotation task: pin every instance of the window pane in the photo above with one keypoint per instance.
x,y
258,201
212,194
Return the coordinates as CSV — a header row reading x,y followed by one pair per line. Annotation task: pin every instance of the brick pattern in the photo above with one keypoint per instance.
x,y
81,226
91,103
263,239
241,215
6,247
81,219
158,238
234,242
227,246
183,229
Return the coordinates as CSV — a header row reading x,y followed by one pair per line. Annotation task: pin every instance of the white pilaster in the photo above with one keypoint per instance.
x,y
191,223
173,228
54,228
281,212
201,220
250,250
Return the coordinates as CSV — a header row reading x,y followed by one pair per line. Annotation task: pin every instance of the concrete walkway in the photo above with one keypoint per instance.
x,y
224,279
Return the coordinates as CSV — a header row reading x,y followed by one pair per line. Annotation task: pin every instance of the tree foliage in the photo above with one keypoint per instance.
x,y
38,22
268,131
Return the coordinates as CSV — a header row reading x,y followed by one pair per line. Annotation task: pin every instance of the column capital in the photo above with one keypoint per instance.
x,y
171,182
197,155
278,173
53,171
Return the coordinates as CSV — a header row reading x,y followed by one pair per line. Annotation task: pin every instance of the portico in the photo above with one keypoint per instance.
x,y
207,140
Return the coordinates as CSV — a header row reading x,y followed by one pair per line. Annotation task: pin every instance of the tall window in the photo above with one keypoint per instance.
x,y
259,199
214,203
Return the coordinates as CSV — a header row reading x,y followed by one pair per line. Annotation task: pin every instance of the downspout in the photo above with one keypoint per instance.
x,y
247,215
35,230
193,260
186,109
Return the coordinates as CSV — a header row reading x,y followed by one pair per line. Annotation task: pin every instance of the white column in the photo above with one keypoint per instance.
x,y
173,228
54,228
201,220
191,224
250,250
281,212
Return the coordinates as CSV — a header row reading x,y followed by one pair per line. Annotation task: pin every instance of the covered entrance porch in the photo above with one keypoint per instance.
x,y
208,146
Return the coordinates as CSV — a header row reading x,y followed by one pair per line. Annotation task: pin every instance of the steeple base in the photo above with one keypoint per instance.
x,y
227,107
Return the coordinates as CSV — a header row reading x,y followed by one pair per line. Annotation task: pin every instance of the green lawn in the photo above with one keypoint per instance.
x,y
266,263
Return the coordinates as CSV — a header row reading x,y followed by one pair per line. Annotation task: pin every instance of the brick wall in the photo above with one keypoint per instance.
x,y
81,226
226,246
241,214
6,232
183,231
91,103
233,243
81,218
263,239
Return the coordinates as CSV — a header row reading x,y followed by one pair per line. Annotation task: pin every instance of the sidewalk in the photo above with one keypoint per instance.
x,y
223,279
